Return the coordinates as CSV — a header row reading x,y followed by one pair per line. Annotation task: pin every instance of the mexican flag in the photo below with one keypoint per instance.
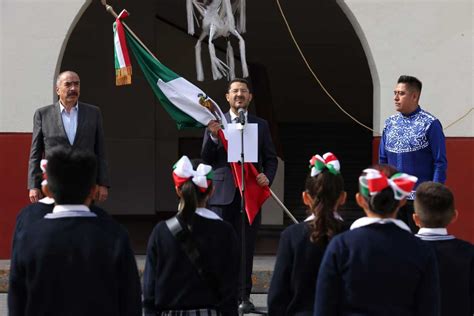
x,y
189,107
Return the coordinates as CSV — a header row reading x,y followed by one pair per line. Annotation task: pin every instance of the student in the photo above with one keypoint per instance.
x,y
72,262
37,210
434,210
175,284
302,245
378,267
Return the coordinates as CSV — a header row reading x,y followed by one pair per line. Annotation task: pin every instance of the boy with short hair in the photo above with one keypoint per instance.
x,y
72,261
434,211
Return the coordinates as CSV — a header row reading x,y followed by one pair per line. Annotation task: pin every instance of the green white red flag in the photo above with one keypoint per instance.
x,y
123,68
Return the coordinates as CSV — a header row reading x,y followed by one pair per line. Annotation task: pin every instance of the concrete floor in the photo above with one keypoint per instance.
x,y
258,299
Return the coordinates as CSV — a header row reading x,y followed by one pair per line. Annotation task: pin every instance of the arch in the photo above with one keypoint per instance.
x,y
368,52
71,28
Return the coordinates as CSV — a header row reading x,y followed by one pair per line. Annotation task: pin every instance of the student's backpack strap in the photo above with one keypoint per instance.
x,y
190,248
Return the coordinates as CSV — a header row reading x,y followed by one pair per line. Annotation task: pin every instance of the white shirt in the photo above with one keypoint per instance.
x,y
432,234
69,121
204,212
365,221
70,210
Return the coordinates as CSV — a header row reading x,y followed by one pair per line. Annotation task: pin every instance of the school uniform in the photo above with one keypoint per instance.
x,y
378,268
296,268
36,211
72,262
456,270
171,282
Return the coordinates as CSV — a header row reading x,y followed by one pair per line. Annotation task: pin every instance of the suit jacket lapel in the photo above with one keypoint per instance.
x,y
227,117
80,121
59,120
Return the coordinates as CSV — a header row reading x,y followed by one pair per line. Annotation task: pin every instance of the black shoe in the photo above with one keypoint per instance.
x,y
246,307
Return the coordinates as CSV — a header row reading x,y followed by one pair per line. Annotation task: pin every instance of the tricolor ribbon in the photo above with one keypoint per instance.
x,y
375,181
123,67
43,164
183,171
329,161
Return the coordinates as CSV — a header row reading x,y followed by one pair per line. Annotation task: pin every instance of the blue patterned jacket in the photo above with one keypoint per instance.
x,y
415,144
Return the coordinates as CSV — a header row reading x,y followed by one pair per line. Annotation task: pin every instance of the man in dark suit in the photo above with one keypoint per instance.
x,y
67,124
226,199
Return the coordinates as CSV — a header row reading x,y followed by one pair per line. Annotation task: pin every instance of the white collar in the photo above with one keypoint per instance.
x,y
71,207
233,115
47,200
365,221
432,231
62,108
204,212
335,213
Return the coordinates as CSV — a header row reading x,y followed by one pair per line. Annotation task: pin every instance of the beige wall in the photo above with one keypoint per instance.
x,y
432,40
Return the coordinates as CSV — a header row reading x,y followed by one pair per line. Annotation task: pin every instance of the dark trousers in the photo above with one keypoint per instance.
x,y
231,214
405,213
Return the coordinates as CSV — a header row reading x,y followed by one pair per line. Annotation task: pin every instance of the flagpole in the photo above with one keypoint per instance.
x,y
109,9
280,203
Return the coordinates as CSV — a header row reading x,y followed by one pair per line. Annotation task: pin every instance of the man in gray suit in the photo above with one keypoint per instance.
x,y
69,124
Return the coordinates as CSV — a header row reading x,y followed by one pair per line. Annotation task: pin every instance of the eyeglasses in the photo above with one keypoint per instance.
x,y
235,91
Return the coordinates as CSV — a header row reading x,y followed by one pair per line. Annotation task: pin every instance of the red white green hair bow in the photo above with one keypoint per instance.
x,y
329,161
43,164
183,171
375,181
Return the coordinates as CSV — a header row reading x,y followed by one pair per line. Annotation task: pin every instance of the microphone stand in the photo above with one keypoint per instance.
x,y
243,217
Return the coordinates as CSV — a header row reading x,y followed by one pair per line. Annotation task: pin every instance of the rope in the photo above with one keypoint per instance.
x,y
324,88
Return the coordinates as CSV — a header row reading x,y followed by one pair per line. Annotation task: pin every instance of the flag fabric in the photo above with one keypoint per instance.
x,y
190,107
255,195
123,67
187,105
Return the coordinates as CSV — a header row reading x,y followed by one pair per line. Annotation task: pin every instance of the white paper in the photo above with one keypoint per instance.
x,y
235,142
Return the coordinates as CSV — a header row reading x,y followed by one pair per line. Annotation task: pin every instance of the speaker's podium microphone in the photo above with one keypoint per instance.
x,y
241,113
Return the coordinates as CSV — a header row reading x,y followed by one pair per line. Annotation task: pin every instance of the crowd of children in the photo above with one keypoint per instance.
x,y
71,258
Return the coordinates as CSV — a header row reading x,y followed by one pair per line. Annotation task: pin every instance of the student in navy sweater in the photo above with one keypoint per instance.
x,y
302,245
36,211
72,262
378,267
172,284
434,210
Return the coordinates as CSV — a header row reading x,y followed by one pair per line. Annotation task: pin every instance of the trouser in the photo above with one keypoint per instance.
x,y
231,214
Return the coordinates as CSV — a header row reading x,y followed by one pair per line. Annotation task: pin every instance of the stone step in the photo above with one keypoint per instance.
x,y
262,272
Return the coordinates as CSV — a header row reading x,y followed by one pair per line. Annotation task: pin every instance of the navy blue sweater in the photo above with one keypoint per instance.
x,y
378,269
171,281
74,266
456,276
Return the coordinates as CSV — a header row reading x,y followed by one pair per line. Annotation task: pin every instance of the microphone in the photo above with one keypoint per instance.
x,y
241,116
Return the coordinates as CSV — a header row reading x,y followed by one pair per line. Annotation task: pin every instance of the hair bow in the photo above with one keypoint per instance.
x,y
328,160
183,171
375,181
43,164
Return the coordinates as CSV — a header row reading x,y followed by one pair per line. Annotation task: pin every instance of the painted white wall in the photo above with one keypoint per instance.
x,y
429,39
33,34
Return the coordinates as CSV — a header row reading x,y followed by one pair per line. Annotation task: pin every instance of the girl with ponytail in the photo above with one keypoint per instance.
x,y
302,246
378,267
175,284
